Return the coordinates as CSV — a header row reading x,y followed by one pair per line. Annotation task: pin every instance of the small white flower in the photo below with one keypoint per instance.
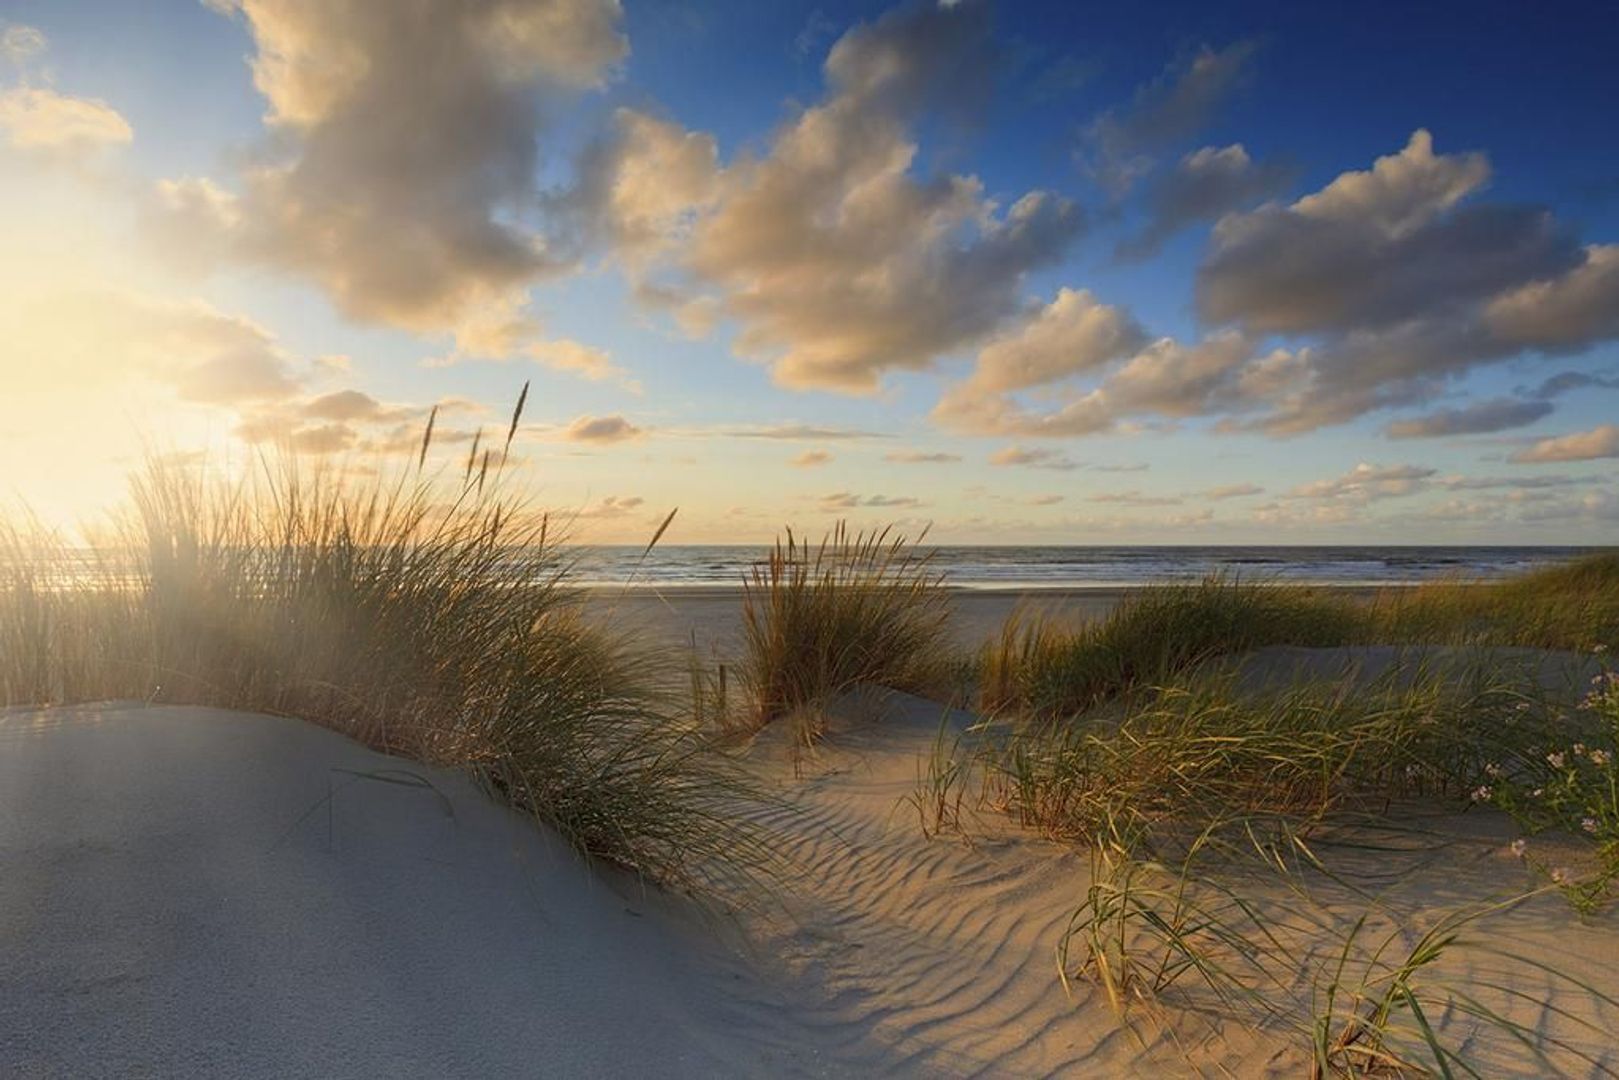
x,y
1556,759
1599,648
1579,749
1600,757
1492,770
1560,875
1520,847
1522,706
1481,793
1589,825
1537,793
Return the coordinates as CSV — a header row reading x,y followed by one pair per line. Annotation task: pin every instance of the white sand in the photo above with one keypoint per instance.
x,y
711,616
190,892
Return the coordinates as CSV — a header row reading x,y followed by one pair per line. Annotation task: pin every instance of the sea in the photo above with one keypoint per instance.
x,y
1081,567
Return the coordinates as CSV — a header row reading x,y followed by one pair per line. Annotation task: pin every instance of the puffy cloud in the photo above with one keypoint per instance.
x,y
918,457
1404,288
1074,333
1164,378
811,458
406,146
42,121
1233,491
1366,482
1204,185
601,430
1601,441
1496,414
1171,108
836,259
1563,313
643,187
1035,457
1375,247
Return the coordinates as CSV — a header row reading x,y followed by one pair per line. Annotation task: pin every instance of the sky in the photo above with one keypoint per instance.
x,y
1019,272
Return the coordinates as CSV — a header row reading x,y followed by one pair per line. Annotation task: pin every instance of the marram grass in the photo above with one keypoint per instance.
x,y
425,619
822,619
1042,668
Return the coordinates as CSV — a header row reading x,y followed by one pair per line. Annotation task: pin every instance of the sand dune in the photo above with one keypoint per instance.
x,y
190,892
195,892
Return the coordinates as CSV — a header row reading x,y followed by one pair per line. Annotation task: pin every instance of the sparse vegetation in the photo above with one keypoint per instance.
x,y
822,619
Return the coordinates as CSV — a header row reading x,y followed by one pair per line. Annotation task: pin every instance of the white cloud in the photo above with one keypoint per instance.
x,y
601,430
838,261
405,149
1601,441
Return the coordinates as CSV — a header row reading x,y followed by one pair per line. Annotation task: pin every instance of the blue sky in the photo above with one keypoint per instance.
x,y
769,262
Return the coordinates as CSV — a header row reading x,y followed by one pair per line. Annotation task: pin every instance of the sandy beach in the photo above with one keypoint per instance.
x,y
193,891
710,617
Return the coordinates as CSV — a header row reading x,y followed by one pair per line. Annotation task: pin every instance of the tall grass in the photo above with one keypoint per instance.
x,y
820,619
425,619
1045,669
1200,752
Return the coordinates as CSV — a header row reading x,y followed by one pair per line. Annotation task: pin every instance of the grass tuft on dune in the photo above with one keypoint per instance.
x,y
821,619
1045,669
428,620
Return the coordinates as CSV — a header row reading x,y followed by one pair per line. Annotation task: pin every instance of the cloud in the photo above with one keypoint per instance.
x,y
1566,313
918,457
612,507
41,122
20,43
836,258
1037,457
811,458
1173,107
1165,378
799,433
1496,414
404,146
1133,498
601,430
1233,491
1044,500
1072,334
1486,483
1601,441
1375,247
1203,186
1366,482
843,500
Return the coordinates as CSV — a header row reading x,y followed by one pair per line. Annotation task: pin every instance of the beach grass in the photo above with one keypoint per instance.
x,y
1045,668
425,617
820,619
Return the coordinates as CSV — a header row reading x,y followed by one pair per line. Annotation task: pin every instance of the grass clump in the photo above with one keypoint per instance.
x,y
821,619
1044,669
431,621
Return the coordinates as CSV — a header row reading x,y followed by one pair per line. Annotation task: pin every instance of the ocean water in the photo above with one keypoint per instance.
x,y
1078,567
